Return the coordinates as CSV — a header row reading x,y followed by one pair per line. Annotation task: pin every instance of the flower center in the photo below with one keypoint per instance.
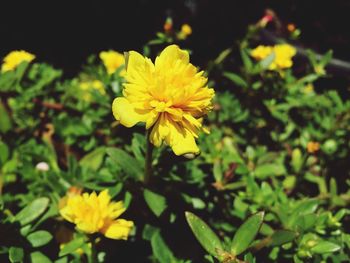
x,y
160,106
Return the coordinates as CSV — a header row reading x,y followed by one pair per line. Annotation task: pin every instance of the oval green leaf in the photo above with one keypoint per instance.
x,y
156,202
281,237
39,238
16,254
246,233
33,210
206,237
325,247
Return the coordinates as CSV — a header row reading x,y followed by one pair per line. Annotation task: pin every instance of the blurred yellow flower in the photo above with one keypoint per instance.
x,y
186,30
170,96
309,88
112,61
87,86
261,52
283,55
14,58
92,213
312,147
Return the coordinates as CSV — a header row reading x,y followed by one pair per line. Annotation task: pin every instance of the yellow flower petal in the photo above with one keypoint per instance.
x,y
128,116
170,55
119,229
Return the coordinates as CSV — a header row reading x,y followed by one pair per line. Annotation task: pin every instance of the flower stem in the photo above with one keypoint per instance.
x,y
93,258
148,158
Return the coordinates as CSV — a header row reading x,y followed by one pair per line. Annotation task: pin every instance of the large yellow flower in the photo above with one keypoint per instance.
x,y
112,61
283,55
14,58
92,213
170,96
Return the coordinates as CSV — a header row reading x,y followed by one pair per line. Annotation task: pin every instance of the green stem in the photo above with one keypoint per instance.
x,y
93,258
148,158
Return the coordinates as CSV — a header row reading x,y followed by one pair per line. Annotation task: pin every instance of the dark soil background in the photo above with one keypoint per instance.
x,y
64,33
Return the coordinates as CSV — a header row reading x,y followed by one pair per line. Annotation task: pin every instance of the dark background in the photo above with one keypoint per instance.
x,y
64,33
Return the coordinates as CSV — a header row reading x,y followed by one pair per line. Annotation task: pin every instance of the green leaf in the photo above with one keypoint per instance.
x,y
325,247
269,169
246,233
129,164
156,202
5,121
206,237
4,153
266,62
236,79
39,238
248,64
160,249
16,254
72,246
149,231
33,210
94,159
38,257
281,237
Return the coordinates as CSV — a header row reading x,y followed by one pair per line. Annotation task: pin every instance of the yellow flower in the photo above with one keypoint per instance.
x,y
87,86
14,58
312,147
170,96
283,55
112,61
261,52
186,30
92,213
309,88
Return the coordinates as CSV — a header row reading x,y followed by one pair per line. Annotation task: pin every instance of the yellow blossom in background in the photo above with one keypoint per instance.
x,y
312,147
309,88
87,86
14,58
283,55
170,96
261,52
112,60
186,30
92,213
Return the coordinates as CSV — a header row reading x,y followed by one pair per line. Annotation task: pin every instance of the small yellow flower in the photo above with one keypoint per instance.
x,y
92,213
87,86
170,96
312,147
186,30
283,55
261,52
112,61
309,88
14,58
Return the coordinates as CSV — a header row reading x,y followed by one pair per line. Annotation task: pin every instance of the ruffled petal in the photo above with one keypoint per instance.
x,y
128,116
181,140
119,229
170,55
139,69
